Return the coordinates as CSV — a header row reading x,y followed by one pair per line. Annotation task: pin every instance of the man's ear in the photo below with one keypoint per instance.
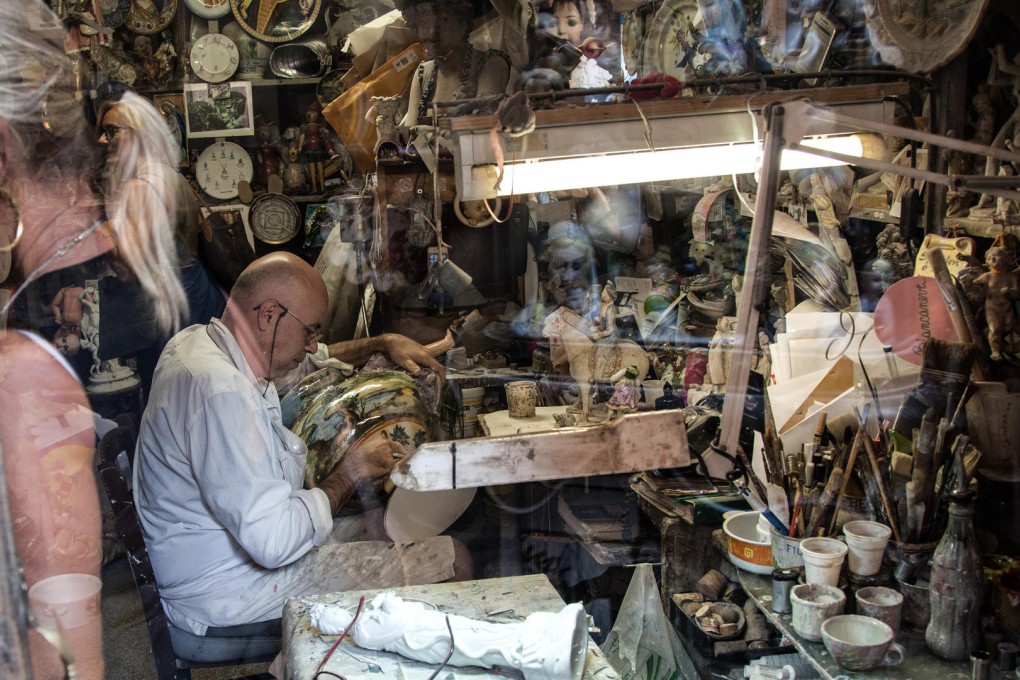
x,y
266,313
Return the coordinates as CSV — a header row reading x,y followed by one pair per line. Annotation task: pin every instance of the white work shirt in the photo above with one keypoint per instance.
x,y
218,483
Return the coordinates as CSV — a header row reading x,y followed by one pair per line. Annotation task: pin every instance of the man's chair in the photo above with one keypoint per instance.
x,y
174,651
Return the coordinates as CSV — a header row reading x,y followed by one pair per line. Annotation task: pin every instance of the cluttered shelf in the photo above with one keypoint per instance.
x,y
918,661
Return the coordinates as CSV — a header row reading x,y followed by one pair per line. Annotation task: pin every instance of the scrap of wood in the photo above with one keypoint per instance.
x,y
635,442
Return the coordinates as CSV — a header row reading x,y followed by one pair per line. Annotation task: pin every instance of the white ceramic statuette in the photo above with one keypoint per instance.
x,y
544,646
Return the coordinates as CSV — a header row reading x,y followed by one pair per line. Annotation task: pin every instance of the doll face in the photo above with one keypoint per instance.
x,y
474,211
569,26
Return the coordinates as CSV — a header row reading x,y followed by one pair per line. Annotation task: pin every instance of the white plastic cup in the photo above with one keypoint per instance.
x,y
66,601
823,560
866,541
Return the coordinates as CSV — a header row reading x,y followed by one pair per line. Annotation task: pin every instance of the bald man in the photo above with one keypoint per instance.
x,y
218,478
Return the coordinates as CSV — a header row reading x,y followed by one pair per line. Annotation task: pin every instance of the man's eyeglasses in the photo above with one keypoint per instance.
x,y
311,334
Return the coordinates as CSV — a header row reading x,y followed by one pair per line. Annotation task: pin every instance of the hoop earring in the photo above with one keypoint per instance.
x,y
21,226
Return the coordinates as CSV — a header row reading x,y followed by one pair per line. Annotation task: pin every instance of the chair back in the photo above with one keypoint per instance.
x,y
116,454
116,450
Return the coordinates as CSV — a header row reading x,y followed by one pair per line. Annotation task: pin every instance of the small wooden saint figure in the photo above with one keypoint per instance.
x,y
1002,287
313,147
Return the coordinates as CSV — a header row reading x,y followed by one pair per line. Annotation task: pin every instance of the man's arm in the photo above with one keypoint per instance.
x,y
400,349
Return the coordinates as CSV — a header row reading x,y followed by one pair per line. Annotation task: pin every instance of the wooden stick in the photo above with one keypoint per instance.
x,y
848,472
883,492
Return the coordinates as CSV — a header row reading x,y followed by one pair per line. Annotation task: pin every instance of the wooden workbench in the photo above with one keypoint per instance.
x,y
498,599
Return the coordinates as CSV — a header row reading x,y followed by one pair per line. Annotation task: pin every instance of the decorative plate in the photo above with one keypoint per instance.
x,y
150,17
276,20
214,57
115,12
330,86
221,167
915,39
274,218
673,40
209,9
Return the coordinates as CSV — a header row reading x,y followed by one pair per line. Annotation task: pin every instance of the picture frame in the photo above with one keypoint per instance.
x,y
320,220
219,109
172,108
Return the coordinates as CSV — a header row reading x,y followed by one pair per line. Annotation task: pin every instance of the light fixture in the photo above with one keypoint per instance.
x,y
557,174
657,141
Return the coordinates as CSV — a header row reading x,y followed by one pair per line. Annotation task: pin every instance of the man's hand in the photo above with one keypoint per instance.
x,y
369,462
405,352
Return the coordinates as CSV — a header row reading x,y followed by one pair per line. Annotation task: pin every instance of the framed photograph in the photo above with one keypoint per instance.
x,y
320,219
172,108
219,110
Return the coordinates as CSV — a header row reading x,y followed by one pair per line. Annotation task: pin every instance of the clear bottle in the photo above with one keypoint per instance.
x,y
955,588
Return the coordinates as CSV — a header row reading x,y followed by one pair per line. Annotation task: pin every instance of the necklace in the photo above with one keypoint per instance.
x,y
57,254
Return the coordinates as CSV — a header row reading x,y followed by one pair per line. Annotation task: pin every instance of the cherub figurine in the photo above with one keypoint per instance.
x,y
313,147
1001,286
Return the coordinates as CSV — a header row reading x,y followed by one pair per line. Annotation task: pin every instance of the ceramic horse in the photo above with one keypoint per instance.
x,y
589,360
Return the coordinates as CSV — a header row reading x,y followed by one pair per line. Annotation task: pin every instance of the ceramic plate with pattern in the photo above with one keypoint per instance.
x,y
276,20
150,17
114,12
209,9
913,38
274,218
221,167
673,39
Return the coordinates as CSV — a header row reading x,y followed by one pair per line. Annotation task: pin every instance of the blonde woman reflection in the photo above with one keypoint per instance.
x,y
51,220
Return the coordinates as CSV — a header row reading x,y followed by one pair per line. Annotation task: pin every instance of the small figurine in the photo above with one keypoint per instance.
x,y
313,146
605,322
564,419
625,392
267,155
1001,286
385,111
295,175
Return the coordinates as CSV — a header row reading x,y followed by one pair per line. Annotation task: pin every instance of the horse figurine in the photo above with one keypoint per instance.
x,y
590,360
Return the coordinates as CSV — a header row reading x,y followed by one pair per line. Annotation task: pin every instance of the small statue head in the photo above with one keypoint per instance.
x,y
997,259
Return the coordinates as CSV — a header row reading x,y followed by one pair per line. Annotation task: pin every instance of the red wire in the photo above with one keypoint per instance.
x,y
318,671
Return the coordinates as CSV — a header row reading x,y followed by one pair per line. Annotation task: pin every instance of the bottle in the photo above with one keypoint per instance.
x,y
955,587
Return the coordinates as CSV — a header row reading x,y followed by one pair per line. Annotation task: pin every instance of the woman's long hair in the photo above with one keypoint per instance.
x,y
140,189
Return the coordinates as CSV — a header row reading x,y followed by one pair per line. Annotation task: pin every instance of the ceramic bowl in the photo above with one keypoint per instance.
x,y
747,550
861,643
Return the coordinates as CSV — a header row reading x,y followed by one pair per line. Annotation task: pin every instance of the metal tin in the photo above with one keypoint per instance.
x,y
783,581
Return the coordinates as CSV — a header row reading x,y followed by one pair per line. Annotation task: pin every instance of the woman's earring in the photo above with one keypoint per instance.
x,y
6,248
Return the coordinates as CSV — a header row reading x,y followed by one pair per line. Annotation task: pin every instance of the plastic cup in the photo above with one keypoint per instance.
x,y
866,542
823,560
812,604
521,397
66,601
884,604
70,604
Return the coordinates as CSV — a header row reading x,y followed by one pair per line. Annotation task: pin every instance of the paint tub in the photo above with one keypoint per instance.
x,y
786,552
747,550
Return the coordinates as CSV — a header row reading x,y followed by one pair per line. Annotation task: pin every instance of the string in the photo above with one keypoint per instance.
x,y
319,671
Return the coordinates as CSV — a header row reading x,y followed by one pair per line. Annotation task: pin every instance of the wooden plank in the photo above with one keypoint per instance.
x,y
637,441
689,106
